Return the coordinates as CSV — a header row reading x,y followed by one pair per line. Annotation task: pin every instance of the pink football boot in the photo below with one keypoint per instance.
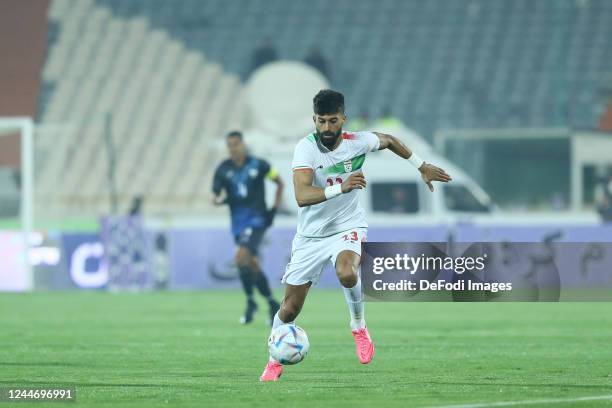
x,y
272,372
364,345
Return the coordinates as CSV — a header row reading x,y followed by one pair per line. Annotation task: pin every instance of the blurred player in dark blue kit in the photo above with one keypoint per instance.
x,y
240,182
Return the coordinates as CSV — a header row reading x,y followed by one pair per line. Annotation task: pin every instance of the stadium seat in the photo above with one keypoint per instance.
x,y
165,70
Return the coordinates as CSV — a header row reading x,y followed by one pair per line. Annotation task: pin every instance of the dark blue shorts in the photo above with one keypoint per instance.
x,y
250,238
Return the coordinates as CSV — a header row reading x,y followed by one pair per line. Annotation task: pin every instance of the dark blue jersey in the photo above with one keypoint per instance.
x,y
245,190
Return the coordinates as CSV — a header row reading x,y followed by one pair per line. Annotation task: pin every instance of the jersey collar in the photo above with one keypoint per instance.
x,y
322,147
247,158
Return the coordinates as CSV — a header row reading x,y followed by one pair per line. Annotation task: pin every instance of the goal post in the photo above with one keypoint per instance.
x,y
24,126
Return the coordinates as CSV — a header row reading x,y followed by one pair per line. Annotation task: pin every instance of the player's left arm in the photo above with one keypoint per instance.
x,y
280,186
272,175
428,171
219,196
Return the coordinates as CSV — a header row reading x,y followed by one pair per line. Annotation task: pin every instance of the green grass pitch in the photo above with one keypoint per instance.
x,y
187,349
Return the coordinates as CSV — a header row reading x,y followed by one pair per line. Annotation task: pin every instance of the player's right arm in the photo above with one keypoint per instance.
x,y
303,166
218,193
306,194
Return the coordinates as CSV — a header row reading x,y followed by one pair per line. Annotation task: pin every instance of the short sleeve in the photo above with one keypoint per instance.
x,y
268,171
371,139
303,156
264,167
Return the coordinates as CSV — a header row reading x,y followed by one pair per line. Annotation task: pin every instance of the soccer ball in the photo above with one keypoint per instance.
x,y
288,344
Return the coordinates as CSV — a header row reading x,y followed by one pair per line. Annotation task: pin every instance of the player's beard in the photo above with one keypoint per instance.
x,y
329,139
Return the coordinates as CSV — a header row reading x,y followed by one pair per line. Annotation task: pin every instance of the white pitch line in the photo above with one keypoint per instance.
x,y
525,402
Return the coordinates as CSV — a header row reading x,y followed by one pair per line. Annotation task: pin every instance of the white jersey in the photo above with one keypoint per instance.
x,y
343,212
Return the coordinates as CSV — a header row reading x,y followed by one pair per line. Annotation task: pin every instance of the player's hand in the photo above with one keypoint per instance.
x,y
430,173
355,181
219,199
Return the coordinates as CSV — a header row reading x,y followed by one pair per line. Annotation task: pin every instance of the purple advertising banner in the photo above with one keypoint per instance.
x,y
536,233
83,259
487,271
13,271
204,258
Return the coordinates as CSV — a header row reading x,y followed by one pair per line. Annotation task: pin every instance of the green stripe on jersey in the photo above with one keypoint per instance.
x,y
311,137
346,166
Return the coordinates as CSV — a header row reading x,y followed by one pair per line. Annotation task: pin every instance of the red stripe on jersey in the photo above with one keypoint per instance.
x,y
348,135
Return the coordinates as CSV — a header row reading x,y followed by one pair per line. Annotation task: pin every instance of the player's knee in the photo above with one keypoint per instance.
x,y
241,262
254,265
242,258
347,274
289,311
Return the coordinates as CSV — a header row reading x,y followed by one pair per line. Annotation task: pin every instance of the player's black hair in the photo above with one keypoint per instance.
x,y
328,102
234,133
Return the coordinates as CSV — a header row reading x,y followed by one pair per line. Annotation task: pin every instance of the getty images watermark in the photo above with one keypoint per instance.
x,y
484,271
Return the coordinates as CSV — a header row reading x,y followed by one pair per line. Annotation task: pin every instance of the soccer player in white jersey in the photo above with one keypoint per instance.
x,y
327,177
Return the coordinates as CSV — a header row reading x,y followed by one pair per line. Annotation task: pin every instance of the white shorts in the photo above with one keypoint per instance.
x,y
310,255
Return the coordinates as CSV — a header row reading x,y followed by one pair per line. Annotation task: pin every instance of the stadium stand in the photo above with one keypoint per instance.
x,y
437,63
166,102
163,69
